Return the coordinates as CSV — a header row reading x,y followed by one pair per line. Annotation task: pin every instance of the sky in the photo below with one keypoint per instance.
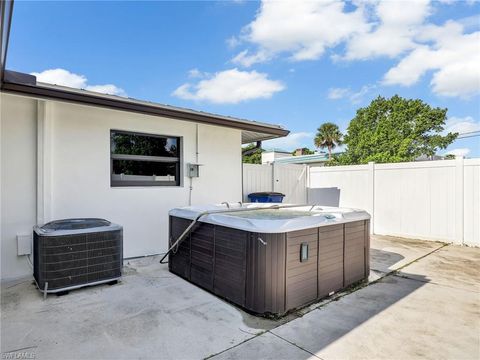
x,y
297,64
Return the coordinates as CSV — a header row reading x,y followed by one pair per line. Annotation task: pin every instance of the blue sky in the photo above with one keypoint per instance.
x,y
296,65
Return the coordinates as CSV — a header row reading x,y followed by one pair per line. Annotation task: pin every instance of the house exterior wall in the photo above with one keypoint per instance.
x,y
74,172
18,179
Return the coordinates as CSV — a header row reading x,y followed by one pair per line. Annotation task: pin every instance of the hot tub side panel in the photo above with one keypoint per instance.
x,y
265,284
355,258
179,262
301,276
230,264
202,245
367,248
330,259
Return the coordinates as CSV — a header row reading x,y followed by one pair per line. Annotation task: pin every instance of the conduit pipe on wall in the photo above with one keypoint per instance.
x,y
196,162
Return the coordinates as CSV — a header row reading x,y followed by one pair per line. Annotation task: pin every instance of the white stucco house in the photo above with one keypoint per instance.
x,y
68,153
60,158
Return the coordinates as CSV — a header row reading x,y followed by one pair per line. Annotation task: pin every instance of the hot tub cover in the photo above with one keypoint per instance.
x,y
290,219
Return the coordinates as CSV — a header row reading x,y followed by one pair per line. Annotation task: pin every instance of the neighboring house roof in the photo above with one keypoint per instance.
x,y
278,151
303,159
25,84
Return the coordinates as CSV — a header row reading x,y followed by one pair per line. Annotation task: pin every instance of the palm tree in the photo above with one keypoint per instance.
x,y
328,136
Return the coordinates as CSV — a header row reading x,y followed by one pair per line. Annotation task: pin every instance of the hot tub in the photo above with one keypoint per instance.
x,y
270,261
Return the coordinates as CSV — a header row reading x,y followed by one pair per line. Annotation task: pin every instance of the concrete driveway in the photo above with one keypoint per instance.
x,y
423,302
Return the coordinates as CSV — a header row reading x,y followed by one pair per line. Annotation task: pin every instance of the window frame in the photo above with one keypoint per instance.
x,y
162,159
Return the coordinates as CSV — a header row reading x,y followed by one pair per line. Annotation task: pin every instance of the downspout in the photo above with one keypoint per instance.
x,y
196,143
258,146
44,161
241,170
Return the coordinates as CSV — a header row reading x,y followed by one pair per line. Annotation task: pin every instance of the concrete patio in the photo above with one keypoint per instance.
x,y
423,301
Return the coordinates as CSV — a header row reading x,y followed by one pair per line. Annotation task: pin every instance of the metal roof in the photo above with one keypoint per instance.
x,y
303,159
280,151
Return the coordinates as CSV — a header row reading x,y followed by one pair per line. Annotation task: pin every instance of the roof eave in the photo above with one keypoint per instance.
x,y
264,131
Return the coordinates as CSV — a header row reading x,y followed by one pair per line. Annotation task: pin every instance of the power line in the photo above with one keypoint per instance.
x,y
468,134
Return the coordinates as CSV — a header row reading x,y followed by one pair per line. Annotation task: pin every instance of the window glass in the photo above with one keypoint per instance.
x,y
145,170
139,144
144,160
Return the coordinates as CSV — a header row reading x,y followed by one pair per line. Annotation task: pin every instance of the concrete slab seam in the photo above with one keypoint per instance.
x,y
298,346
434,283
236,345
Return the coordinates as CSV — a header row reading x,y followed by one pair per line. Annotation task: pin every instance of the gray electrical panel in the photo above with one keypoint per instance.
x,y
193,170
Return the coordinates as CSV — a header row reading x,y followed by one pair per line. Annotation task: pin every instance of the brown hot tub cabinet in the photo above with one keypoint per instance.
x,y
266,273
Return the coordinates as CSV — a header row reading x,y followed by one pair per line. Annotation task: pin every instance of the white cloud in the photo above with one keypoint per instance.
x,y
66,78
230,87
245,59
398,24
61,77
458,152
302,28
195,74
355,97
461,125
233,42
106,89
305,29
470,22
338,93
453,57
290,142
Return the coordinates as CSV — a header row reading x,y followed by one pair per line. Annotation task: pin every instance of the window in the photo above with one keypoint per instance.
x,y
144,160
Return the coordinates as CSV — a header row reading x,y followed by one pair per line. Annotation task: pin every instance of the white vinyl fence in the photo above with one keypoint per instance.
x,y
435,200
289,179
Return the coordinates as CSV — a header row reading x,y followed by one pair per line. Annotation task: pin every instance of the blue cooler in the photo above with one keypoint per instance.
x,y
266,197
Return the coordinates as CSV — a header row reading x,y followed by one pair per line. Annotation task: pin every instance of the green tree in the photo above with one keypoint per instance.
x,y
254,157
328,136
395,130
